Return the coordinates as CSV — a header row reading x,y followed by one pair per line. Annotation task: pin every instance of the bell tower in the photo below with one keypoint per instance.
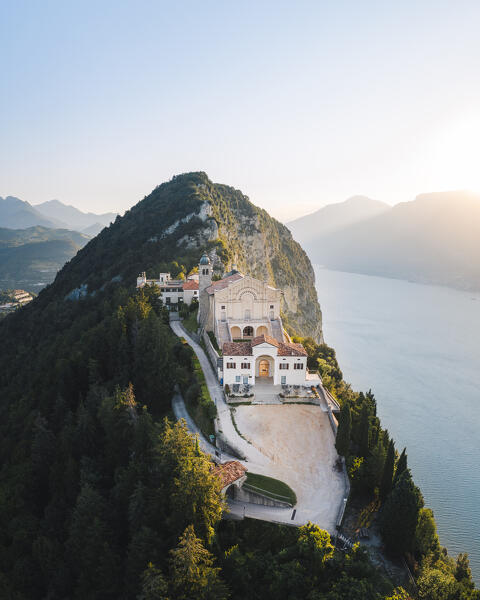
x,y
204,281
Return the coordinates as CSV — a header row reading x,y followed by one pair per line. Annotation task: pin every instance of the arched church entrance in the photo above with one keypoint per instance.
x,y
264,368
248,331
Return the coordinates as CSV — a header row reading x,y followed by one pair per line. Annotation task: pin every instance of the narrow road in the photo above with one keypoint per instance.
x,y
180,412
241,446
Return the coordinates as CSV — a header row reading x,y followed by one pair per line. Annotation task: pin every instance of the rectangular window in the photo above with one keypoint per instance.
x,y
245,365
284,365
283,380
271,305
223,308
298,366
231,365
237,379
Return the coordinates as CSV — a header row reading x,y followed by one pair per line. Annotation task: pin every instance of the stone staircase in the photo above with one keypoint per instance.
x,y
277,329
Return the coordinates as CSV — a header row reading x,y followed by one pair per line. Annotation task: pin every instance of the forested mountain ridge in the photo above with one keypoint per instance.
x,y
30,258
101,496
183,218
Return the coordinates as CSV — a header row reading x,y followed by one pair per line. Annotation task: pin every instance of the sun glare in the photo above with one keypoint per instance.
x,y
454,155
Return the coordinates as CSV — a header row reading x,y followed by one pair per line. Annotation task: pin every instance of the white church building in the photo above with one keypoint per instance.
x,y
244,315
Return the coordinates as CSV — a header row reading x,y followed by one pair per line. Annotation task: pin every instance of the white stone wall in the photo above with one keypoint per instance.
x,y
230,375
293,376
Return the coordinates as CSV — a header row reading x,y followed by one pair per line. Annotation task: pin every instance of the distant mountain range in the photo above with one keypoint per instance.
x,y
19,214
432,239
332,217
36,241
89,223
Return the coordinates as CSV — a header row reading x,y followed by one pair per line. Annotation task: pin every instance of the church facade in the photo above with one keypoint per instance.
x,y
243,313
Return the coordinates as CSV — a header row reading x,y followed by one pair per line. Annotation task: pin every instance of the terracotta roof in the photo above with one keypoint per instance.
x,y
229,472
284,348
262,339
245,348
223,283
190,284
291,349
237,349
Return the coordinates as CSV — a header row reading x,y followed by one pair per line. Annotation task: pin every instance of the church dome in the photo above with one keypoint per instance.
x,y
204,260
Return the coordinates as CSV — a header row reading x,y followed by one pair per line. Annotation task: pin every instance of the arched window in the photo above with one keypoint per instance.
x,y
247,331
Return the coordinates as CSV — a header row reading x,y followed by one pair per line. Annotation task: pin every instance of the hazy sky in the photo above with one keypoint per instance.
x,y
298,104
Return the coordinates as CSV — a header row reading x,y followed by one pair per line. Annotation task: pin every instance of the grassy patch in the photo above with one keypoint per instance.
x,y
190,323
200,405
268,486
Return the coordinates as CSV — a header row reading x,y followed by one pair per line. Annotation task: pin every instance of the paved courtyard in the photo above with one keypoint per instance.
x,y
298,443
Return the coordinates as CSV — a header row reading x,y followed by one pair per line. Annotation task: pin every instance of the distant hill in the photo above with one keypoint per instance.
x,y
74,218
18,214
30,258
18,237
94,229
336,216
432,239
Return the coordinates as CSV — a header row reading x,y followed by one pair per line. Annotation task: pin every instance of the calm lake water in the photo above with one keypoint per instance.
x,y
418,348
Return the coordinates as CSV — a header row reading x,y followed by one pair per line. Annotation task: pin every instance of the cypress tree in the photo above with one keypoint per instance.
x,y
364,432
399,518
342,442
401,466
387,477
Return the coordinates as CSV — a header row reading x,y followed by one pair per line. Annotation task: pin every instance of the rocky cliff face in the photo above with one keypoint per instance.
x,y
170,229
247,236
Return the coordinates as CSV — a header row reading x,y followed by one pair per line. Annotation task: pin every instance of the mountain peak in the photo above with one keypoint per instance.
x,y
333,217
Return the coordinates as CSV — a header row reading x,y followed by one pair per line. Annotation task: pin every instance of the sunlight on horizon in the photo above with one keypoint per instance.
x,y
452,155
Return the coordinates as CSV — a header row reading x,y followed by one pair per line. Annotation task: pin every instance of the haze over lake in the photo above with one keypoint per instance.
x,y
418,348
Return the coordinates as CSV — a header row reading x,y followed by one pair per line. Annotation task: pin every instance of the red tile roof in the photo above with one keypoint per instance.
x,y
237,349
223,283
230,472
262,339
291,349
190,284
246,348
284,348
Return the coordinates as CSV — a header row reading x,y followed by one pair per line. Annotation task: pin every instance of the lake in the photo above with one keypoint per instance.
x,y
418,348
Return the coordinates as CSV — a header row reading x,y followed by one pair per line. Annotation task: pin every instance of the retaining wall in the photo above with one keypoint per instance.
x,y
245,495
211,352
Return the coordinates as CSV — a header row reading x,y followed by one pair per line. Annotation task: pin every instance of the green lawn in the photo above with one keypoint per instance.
x,y
273,488
190,323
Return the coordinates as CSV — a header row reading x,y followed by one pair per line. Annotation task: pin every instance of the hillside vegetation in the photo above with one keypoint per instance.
x,y
101,495
170,229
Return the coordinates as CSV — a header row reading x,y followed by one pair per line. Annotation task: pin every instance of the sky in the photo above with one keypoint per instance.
x,y
298,104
